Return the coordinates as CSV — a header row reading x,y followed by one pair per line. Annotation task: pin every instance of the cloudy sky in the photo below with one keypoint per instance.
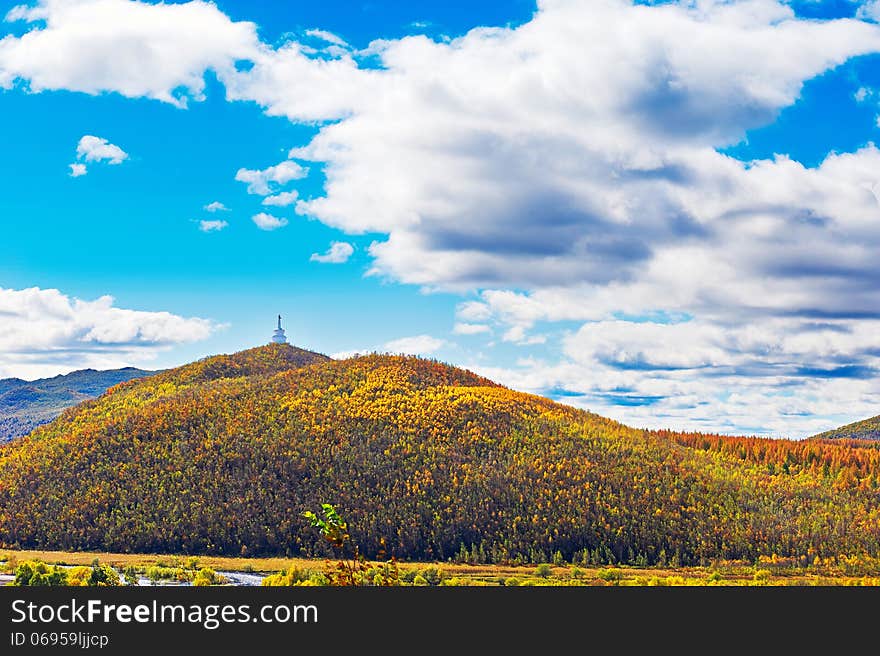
x,y
664,212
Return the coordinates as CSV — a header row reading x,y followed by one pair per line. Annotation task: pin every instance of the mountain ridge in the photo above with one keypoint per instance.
x,y
26,404
866,429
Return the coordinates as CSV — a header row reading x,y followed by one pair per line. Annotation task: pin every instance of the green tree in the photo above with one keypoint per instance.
x,y
352,567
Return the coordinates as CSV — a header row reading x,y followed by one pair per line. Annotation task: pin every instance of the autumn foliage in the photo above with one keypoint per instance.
x,y
224,456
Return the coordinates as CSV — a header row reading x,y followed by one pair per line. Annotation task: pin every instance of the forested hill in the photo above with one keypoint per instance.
x,y
868,429
26,404
224,455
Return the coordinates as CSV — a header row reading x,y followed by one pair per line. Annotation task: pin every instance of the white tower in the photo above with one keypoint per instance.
x,y
278,336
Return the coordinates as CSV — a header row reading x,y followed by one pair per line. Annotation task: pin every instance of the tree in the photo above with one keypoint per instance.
x,y
352,567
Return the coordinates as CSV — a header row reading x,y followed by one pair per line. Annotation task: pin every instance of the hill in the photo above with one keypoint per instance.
x,y
24,404
222,456
867,429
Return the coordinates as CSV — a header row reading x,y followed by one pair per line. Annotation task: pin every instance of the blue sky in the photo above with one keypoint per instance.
x,y
665,213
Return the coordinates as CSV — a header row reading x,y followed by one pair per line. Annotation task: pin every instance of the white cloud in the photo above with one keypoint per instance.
x,y
869,10
216,206
473,311
77,169
329,37
416,345
268,222
517,335
463,328
499,164
137,49
862,93
212,226
262,181
288,82
284,199
785,377
97,149
45,332
338,253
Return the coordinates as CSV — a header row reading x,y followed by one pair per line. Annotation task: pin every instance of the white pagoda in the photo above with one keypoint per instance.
x,y
278,336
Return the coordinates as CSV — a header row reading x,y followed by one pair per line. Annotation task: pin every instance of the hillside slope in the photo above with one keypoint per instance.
x,y
25,404
867,429
224,455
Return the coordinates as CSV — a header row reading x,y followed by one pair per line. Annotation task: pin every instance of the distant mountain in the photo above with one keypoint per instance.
x,y
225,454
867,429
26,404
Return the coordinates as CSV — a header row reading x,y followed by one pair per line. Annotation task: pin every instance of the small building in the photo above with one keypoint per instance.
x,y
278,337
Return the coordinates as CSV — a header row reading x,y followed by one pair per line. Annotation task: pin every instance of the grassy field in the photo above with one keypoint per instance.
x,y
727,573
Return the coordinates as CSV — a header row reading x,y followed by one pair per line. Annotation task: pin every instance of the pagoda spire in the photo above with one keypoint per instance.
x,y
278,337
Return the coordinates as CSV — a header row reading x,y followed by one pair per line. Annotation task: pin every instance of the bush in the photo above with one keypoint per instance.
x,y
433,575
35,572
130,575
95,576
544,570
420,580
762,577
208,576
158,573
512,582
609,574
292,576
79,576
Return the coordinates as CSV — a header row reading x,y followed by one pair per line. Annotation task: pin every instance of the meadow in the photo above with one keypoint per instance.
x,y
856,571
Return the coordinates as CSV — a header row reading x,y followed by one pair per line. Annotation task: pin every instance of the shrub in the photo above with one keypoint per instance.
x,y
79,576
35,572
130,575
762,577
292,576
208,576
543,570
609,574
433,575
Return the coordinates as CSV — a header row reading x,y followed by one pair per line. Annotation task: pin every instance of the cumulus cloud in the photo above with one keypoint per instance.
x,y
338,253
284,199
212,226
261,182
97,149
560,172
268,222
498,164
45,332
416,345
137,49
216,206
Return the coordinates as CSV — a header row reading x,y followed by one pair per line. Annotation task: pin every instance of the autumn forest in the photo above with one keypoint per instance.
x,y
427,462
